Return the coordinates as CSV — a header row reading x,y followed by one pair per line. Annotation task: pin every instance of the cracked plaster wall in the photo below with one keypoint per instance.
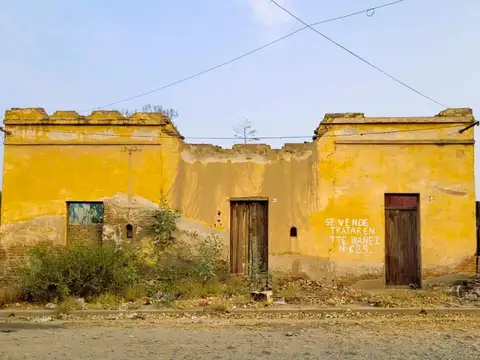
x,y
320,187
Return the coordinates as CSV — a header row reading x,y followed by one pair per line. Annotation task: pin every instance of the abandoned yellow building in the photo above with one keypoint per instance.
x,y
388,198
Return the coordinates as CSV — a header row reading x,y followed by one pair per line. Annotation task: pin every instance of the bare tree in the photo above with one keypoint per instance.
x,y
246,132
155,109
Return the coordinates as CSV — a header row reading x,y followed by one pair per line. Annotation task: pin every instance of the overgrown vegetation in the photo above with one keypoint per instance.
x,y
54,274
163,225
109,276
8,295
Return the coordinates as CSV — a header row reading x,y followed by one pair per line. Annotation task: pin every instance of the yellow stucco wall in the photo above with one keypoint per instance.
x,y
337,180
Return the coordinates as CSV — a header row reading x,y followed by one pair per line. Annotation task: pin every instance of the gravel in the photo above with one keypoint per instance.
x,y
403,337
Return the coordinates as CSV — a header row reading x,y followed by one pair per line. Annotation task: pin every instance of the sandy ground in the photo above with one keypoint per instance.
x,y
321,337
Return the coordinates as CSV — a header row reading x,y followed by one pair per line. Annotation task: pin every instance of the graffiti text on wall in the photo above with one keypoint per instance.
x,y
352,235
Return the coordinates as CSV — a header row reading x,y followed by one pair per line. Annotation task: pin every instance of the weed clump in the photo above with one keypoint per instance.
x,y
54,274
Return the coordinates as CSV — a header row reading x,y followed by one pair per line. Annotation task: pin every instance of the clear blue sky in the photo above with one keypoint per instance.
x,y
80,54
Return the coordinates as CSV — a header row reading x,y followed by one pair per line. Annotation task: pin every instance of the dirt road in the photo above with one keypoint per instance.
x,y
234,339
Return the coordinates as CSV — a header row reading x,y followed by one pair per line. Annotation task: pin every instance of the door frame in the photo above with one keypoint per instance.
x,y
250,199
419,232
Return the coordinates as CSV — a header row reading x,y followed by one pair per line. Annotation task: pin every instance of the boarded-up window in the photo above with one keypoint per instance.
x,y
85,223
85,213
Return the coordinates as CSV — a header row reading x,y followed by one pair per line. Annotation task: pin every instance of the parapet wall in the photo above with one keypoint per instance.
x,y
38,116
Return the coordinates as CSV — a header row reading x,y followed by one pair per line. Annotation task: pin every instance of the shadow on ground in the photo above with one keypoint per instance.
x,y
16,326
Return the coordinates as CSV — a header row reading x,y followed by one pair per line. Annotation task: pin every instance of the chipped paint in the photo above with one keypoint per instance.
x,y
315,181
57,135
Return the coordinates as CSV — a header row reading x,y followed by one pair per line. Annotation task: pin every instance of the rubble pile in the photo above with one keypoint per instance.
x,y
467,289
315,292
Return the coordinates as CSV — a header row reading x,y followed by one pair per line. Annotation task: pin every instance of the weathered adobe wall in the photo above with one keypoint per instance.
x,y
342,178
396,156
50,160
131,163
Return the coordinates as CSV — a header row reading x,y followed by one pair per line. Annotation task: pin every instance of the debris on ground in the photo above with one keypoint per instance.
x,y
263,296
204,302
280,302
43,319
468,290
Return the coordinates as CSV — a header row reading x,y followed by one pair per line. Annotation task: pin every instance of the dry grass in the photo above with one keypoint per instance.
x,y
68,305
133,293
408,298
8,295
108,301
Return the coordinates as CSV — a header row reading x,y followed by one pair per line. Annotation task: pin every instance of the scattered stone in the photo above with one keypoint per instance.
x,y
11,315
204,302
289,333
331,301
112,317
44,319
82,303
280,302
467,289
51,306
471,297
7,330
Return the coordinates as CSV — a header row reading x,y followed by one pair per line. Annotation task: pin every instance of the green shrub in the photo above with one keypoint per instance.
x,y
208,263
135,292
163,225
202,261
57,273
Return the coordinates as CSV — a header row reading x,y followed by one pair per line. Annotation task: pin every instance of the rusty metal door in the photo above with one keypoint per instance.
x,y
402,240
248,236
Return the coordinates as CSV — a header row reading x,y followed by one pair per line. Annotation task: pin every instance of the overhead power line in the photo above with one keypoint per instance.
x,y
356,55
300,137
369,12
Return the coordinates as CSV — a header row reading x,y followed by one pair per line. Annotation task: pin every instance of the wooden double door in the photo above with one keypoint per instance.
x,y
248,236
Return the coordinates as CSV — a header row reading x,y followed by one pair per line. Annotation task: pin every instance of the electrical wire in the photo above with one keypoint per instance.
x,y
267,137
369,12
357,56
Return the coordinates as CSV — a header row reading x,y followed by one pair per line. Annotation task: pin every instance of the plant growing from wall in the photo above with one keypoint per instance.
x,y
170,113
163,225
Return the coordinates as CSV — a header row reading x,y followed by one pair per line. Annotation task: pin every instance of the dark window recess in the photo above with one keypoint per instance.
x,y
293,231
129,231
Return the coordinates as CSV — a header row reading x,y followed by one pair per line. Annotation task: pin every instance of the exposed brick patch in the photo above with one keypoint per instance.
x,y
90,234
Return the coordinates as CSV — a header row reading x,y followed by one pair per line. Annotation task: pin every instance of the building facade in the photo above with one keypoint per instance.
x,y
367,198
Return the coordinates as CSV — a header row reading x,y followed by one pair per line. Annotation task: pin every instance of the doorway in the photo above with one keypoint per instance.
x,y
248,236
402,240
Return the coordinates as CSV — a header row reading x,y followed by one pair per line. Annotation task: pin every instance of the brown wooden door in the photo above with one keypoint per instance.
x,y
248,236
402,248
